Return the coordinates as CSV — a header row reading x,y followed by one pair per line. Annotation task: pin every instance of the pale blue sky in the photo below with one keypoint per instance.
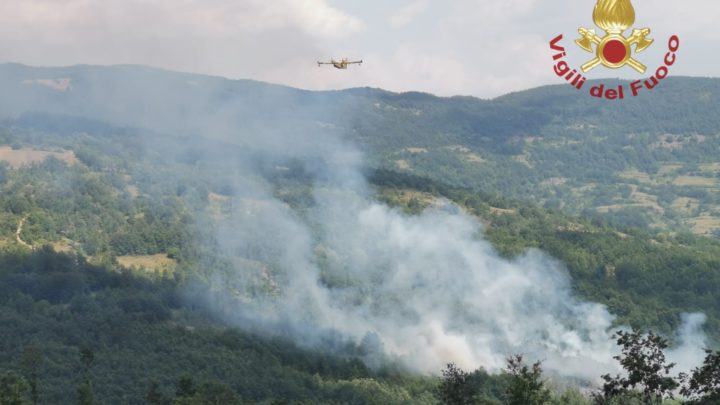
x,y
470,47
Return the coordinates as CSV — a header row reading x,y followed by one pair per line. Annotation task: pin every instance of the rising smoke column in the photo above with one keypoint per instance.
x,y
423,290
426,289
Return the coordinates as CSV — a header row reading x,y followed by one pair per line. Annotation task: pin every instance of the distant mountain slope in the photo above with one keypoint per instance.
x,y
650,161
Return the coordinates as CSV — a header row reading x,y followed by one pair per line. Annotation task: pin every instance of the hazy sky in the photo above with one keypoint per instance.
x,y
471,47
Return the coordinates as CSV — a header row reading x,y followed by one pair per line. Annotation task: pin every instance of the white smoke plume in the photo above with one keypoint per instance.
x,y
423,290
689,352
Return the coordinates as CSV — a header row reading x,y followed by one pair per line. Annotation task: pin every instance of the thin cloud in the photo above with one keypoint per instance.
x,y
407,14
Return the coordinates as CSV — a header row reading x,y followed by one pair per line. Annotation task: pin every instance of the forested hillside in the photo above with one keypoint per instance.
x,y
650,161
99,255
144,336
125,273
135,238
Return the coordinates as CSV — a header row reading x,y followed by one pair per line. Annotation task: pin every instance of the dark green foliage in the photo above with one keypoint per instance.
x,y
564,152
13,389
648,374
478,387
455,388
526,384
185,387
31,362
87,358
133,345
85,394
703,385
211,393
155,395
571,397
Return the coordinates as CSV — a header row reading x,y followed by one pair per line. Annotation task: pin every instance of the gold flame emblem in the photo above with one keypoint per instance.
x,y
614,50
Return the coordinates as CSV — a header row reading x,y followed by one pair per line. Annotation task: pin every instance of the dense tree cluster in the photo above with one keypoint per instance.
x,y
72,329
647,380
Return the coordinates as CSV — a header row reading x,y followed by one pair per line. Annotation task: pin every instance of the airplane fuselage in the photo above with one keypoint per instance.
x,y
342,64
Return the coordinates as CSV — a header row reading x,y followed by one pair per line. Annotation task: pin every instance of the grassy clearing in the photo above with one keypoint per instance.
x,y
150,263
677,142
405,196
704,224
555,181
584,189
474,158
458,148
466,153
19,158
501,211
219,205
523,159
685,205
710,167
647,200
669,168
133,191
604,209
218,198
637,175
65,246
403,164
694,181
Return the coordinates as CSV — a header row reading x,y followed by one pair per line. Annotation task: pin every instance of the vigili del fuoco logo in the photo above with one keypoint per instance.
x,y
614,50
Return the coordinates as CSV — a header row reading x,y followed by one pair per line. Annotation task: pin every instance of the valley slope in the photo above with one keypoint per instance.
x,y
118,185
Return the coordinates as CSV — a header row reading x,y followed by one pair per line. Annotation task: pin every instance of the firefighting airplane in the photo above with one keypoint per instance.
x,y
342,64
